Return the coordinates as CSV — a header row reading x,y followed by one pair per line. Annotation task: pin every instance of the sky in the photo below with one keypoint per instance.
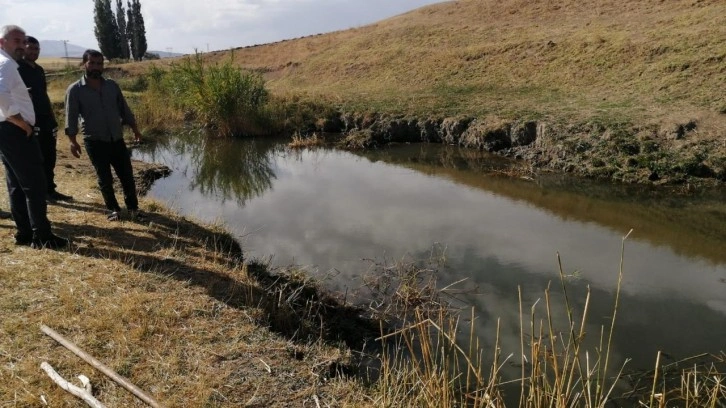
x,y
184,26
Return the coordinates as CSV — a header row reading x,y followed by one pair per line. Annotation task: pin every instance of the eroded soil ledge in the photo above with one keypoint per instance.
x,y
668,154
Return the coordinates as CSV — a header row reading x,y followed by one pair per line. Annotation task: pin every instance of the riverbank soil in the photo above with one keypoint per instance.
x,y
167,303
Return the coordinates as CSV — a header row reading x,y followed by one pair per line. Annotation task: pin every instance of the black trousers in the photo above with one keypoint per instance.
x,y
47,141
25,180
104,156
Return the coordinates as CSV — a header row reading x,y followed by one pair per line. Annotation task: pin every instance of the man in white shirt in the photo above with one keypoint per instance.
x,y
20,151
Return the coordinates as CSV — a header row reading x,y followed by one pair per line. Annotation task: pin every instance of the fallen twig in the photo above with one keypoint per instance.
x,y
82,393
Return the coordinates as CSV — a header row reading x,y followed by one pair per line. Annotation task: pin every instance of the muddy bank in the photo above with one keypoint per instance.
x,y
664,153
145,174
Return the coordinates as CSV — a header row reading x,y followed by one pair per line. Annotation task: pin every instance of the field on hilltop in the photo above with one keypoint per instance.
x,y
52,64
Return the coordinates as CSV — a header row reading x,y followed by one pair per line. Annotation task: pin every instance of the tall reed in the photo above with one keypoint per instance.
x,y
224,97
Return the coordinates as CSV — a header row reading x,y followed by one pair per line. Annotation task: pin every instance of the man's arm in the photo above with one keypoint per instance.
x,y
8,107
127,117
6,98
72,120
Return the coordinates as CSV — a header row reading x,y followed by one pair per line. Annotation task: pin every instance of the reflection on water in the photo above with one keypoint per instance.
x,y
219,169
329,210
695,226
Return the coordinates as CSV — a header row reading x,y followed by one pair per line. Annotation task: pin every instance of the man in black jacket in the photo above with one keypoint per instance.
x,y
46,126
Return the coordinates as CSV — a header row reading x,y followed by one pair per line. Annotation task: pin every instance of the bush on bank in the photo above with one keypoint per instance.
x,y
228,99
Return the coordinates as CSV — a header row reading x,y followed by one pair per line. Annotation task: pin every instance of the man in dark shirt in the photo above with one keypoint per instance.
x,y
46,127
103,110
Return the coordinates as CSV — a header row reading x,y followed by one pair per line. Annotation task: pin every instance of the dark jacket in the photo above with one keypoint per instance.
x,y
34,78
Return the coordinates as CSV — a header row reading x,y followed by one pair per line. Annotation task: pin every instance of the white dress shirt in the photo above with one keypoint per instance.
x,y
14,96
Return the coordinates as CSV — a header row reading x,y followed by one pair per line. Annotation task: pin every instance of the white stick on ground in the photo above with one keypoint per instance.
x,y
82,393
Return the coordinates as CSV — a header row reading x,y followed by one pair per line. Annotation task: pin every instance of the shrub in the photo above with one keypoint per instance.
x,y
224,97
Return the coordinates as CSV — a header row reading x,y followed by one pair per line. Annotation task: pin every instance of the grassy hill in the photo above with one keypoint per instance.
x,y
656,68
637,59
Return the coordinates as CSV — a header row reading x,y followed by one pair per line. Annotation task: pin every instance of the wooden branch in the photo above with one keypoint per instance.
x,y
82,393
122,381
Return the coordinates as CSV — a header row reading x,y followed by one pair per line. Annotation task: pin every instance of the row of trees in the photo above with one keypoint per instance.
x,y
123,35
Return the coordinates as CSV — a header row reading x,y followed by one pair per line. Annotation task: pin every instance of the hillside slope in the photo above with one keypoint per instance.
x,y
648,70
638,58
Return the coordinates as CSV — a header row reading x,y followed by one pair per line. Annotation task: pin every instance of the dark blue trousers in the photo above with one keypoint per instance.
x,y
104,156
26,181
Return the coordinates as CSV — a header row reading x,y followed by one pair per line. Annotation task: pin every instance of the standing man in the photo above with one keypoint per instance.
x,y
19,149
46,127
103,112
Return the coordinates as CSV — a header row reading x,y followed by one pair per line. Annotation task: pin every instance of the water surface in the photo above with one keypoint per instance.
x,y
335,212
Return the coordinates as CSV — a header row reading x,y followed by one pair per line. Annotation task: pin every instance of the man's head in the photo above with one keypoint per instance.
x,y
12,41
93,64
32,49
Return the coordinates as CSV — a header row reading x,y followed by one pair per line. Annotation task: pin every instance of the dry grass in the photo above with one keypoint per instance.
x,y
54,64
299,141
169,304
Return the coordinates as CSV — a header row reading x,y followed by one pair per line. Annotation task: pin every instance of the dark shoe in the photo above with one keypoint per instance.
x,y
51,242
56,196
113,216
22,239
4,215
137,216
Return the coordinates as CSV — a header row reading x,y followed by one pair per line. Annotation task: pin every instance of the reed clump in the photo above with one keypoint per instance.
x,y
222,96
431,361
300,141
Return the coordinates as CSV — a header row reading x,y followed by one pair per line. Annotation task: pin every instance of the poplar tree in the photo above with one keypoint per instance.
x,y
130,28
136,29
123,33
106,29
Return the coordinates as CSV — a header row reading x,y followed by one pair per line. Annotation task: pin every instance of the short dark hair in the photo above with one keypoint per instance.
x,y
91,53
32,40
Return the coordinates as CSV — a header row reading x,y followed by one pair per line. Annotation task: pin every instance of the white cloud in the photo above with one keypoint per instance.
x,y
53,20
185,25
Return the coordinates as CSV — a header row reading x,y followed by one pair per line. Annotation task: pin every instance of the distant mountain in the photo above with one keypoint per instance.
x,y
55,48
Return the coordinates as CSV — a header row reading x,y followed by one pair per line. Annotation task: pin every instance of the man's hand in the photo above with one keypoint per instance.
x,y
27,128
18,121
75,149
137,137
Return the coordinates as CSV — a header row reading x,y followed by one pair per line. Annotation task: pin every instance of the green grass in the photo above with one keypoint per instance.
x,y
223,96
